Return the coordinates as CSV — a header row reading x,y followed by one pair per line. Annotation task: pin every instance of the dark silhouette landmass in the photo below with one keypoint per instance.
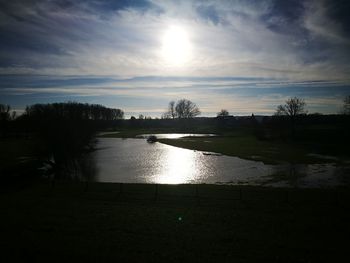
x,y
52,210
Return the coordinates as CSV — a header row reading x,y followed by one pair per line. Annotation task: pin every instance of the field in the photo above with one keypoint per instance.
x,y
248,147
42,222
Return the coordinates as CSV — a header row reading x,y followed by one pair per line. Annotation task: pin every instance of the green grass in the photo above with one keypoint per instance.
x,y
248,147
184,223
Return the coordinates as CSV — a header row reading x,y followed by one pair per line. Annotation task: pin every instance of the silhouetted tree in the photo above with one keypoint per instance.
x,y
186,109
171,109
222,113
4,118
67,130
74,111
182,109
292,108
165,115
5,112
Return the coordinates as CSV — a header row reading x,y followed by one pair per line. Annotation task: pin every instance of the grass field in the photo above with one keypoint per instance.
x,y
248,147
165,223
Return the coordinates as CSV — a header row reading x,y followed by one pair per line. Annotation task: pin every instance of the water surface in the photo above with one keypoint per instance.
x,y
176,135
136,161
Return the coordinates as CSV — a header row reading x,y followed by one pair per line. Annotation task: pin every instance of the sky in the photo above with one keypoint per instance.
x,y
244,56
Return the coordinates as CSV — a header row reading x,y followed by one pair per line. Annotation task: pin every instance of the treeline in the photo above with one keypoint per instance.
x,y
41,115
73,111
64,133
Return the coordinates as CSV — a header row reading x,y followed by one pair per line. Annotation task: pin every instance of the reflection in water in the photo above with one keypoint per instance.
x,y
179,167
176,135
82,168
87,167
136,161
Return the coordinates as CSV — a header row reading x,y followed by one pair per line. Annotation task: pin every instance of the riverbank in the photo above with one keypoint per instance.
x,y
250,148
174,223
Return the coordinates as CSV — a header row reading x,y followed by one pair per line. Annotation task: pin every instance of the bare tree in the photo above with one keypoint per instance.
x,y
4,112
222,113
186,109
165,115
181,109
171,109
292,108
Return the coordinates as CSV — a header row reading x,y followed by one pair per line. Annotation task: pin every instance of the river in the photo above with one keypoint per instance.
x,y
136,161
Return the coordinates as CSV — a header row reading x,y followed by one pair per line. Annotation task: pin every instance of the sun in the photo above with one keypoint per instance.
x,y
176,46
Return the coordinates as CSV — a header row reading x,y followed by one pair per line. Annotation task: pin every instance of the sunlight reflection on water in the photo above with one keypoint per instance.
x,y
178,167
136,161
176,135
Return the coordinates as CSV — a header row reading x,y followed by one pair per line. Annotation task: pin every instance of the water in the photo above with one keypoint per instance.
x,y
136,161
175,135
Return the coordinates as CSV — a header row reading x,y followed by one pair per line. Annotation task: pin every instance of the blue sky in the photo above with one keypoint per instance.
x,y
244,56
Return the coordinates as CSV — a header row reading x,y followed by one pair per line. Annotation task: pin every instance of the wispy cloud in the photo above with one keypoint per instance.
x,y
247,56
238,95
229,38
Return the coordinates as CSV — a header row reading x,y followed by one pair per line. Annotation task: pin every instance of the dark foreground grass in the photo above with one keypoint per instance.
x,y
15,151
164,223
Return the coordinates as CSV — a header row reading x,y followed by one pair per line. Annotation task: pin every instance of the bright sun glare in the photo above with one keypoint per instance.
x,y
176,47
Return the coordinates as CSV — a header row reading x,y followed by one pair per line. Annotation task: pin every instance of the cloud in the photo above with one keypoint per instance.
x,y
246,55
230,38
238,95
319,22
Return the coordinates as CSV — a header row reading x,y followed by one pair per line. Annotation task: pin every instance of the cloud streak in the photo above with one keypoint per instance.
x,y
252,38
238,95
241,52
